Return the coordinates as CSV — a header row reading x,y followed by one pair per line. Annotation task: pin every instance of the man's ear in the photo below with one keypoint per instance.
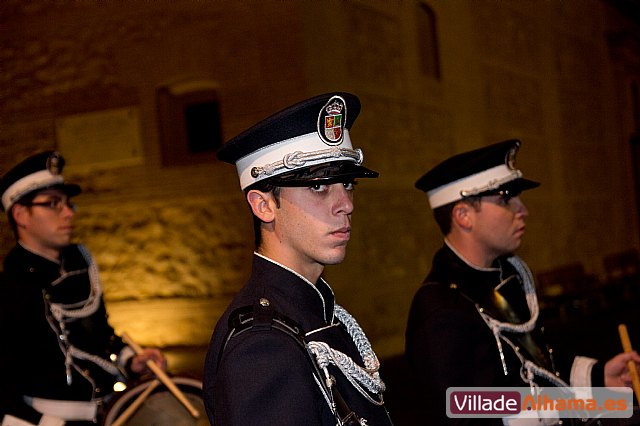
x,y
262,204
19,213
461,216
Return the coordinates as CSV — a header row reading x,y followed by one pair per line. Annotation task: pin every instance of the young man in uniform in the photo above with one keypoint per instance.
x,y
284,352
60,358
474,321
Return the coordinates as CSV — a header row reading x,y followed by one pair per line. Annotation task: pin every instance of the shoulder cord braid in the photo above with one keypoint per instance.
x,y
369,377
66,313
529,369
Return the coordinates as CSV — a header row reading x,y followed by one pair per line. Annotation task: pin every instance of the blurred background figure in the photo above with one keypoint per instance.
x,y
61,359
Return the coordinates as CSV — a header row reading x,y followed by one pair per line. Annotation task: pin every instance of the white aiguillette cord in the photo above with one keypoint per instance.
x,y
369,376
497,327
66,313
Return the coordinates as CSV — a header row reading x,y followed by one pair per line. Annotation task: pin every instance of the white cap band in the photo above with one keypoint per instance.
x,y
475,184
292,154
37,180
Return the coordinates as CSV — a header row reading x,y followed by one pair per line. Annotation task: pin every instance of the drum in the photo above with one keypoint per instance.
x,y
160,407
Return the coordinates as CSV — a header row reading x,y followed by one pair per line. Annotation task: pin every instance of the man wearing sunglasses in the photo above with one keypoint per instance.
x,y
60,358
474,321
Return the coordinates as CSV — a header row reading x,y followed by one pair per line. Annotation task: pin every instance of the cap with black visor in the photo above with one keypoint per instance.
x,y
303,145
35,173
481,172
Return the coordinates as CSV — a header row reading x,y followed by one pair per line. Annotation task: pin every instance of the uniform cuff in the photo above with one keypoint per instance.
x,y
581,371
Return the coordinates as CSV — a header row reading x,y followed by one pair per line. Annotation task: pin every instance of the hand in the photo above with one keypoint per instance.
x,y
44,420
139,361
616,373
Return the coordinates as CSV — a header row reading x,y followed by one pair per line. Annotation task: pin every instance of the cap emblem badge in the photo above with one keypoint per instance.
x,y
331,121
55,163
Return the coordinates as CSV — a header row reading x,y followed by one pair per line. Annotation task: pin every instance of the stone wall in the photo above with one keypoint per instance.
x,y
174,242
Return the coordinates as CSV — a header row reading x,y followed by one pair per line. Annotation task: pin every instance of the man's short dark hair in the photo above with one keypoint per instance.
x,y
442,214
22,201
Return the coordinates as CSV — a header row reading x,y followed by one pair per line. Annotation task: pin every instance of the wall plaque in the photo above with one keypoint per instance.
x,y
108,138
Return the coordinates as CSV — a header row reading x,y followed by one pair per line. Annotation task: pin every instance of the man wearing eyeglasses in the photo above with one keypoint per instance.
x,y
60,357
474,321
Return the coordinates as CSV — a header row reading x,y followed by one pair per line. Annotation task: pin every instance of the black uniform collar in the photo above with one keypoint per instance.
x,y
315,298
478,284
450,268
21,260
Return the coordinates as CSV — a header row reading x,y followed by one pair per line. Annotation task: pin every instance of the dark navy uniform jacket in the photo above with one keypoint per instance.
x,y
263,376
31,361
449,344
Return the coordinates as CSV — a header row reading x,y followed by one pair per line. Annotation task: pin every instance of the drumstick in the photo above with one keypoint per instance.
x,y
136,404
626,345
163,378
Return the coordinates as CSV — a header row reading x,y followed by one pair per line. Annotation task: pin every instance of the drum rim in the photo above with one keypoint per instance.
x,y
138,389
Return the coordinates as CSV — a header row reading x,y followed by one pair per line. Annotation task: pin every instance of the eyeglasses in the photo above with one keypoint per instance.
x,y
505,194
56,204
